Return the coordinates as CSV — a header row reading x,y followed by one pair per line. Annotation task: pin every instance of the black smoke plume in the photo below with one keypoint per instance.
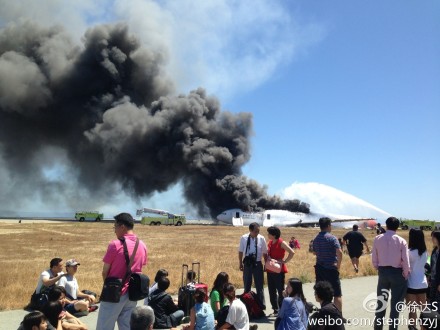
x,y
109,107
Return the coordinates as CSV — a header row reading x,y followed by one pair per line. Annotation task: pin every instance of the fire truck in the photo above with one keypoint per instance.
x,y
155,217
419,224
89,215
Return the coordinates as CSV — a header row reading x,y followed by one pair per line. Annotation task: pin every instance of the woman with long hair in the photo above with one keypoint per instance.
x,y
217,297
435,269
293,313
417,283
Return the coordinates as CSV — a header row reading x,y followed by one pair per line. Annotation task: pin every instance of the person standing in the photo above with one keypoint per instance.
x,y
417,282
277,249
379,229
434,283
115,266
253,248
355,242
328,259
390,258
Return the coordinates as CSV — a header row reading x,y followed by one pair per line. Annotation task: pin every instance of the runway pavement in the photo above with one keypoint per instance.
x,y
358,295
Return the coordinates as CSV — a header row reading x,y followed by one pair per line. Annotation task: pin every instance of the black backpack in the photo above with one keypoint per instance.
x,y
138,286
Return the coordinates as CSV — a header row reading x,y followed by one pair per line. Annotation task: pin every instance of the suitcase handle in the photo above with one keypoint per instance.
x,y
184,274
198,270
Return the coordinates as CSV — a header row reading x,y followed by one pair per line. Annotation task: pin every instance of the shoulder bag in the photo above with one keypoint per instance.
x,y
138,283
112,288
272,265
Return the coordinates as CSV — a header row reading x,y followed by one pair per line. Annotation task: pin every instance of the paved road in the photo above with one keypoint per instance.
x,y
355,291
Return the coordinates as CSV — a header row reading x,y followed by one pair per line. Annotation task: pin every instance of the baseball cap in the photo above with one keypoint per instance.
x,y
72,262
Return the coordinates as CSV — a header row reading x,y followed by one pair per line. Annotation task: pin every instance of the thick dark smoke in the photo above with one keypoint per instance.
x,y
110,109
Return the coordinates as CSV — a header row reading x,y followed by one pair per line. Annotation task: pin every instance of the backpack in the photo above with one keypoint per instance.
x,y
222,314
138,287
253,305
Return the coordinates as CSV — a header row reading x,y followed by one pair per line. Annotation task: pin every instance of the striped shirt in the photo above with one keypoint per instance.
x,y
325,246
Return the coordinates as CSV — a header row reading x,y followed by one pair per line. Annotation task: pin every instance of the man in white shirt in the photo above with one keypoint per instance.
x,y
77,300
251,252
51,276
237,316
46,281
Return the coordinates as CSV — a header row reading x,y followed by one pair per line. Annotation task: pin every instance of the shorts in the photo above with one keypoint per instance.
x,y
330,275
415,291
70,308
354,253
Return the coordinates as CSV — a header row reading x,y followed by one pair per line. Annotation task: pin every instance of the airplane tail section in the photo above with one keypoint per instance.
x,y
237,222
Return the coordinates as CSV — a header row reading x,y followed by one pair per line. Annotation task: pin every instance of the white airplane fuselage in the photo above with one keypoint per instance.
x,y
268,218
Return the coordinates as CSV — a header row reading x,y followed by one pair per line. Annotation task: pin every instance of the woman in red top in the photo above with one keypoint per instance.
x,y
276,249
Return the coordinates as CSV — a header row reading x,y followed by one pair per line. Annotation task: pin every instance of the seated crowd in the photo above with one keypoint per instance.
x,y
160,311
401,270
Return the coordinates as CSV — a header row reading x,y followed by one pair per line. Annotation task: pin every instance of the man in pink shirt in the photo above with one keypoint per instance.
x,y
115,266
390,258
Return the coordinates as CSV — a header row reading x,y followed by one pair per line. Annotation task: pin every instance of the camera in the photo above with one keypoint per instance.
x,y
250,260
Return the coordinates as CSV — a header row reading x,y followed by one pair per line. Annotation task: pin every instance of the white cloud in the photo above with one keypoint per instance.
x,y
329,200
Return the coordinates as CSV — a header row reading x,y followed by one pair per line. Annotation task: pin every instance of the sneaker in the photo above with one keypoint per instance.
x,y
186,319
275,312
253,327
93,308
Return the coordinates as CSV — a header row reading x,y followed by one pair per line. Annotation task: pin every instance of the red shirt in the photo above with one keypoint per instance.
x,y
275,251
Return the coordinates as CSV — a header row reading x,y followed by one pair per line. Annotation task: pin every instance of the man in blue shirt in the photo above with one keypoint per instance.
x,y
328,259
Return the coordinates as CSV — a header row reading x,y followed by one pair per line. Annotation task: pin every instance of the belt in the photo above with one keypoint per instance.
x,y
390,267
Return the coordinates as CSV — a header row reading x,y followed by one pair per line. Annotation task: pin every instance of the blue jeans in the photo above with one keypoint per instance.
x,y
176,317
109,313
391,281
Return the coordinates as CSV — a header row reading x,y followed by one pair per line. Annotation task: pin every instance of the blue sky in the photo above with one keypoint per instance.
x,y
359,110
343,93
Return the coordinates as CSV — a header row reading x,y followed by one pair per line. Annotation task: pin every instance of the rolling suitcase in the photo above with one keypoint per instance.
x,y
185,298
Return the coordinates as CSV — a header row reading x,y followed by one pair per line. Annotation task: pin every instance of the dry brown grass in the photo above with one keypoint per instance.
x,y
28,248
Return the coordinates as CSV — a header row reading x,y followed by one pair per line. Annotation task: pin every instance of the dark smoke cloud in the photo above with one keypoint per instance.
x,y
109,110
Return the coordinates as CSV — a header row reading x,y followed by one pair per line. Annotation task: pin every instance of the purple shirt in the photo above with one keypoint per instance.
x,y
115,257
389,249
